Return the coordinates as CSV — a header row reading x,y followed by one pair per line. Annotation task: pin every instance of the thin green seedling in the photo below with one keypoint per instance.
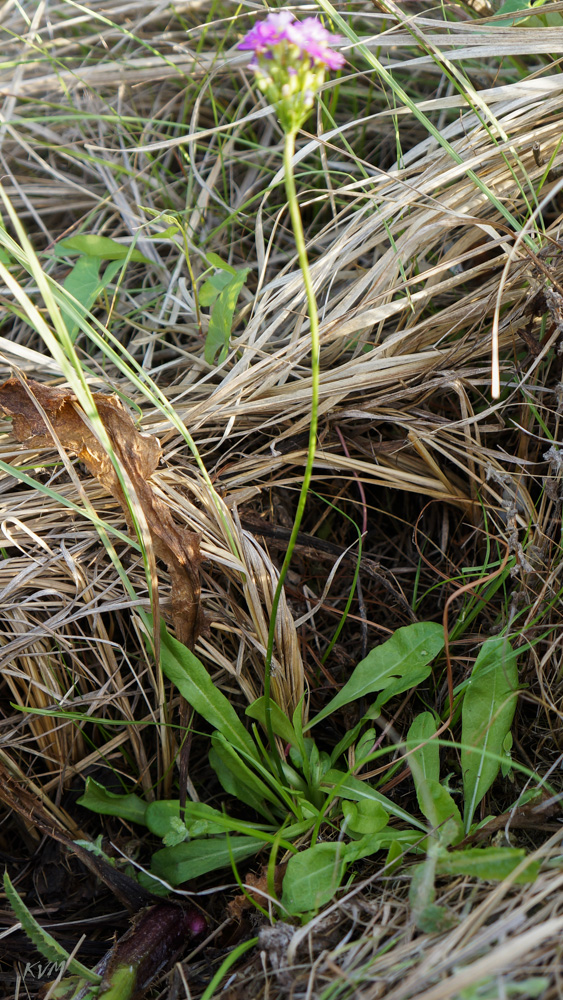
x,y
72,716
476,602
254,902
538,417
226,964
354,584
550,163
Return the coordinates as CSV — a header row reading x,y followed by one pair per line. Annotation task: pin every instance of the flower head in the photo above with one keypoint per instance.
x,y
290,61
265,34
314,40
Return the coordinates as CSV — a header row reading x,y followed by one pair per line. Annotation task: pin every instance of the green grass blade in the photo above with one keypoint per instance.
x,y
189,675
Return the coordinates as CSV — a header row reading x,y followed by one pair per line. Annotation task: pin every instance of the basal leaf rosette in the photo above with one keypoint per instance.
x,y
290,61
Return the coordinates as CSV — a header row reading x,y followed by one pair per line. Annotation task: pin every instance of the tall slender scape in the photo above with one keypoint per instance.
x,y
290,60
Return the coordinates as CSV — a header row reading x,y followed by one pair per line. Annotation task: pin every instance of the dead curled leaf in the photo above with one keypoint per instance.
x,y
138,455
258,889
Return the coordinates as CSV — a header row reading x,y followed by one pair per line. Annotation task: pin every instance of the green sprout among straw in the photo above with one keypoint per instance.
x,y
290,61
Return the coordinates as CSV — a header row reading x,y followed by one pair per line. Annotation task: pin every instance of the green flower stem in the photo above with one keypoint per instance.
x,y
297,224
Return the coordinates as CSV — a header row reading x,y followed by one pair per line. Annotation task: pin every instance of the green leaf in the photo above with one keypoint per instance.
x,y
414,677
366,817
216,261
512,6
280,722
348,787
166,234
292,778
128,807
73,988
364,746
350,737
404,654
189,675
428,916
240,769
386,839
297,723
221,319
394,857
319,763
95,848
314,763
177,833
527,16
506,766
198,857
200,819
102,247
312,877
85,284
420,734
422,890
434,919
434,800
442,812
236,787
487,712
211,288
45,944
489,863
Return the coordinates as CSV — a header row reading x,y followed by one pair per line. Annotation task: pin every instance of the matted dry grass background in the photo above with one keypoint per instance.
x,y
111,111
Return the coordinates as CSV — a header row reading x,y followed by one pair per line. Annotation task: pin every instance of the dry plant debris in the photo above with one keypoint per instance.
x,y
44,415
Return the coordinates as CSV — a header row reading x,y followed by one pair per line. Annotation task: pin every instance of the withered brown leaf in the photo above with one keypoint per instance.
x,y
138,455
258,890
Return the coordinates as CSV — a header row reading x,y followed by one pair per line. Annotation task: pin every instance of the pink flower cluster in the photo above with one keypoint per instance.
x,y
309,37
